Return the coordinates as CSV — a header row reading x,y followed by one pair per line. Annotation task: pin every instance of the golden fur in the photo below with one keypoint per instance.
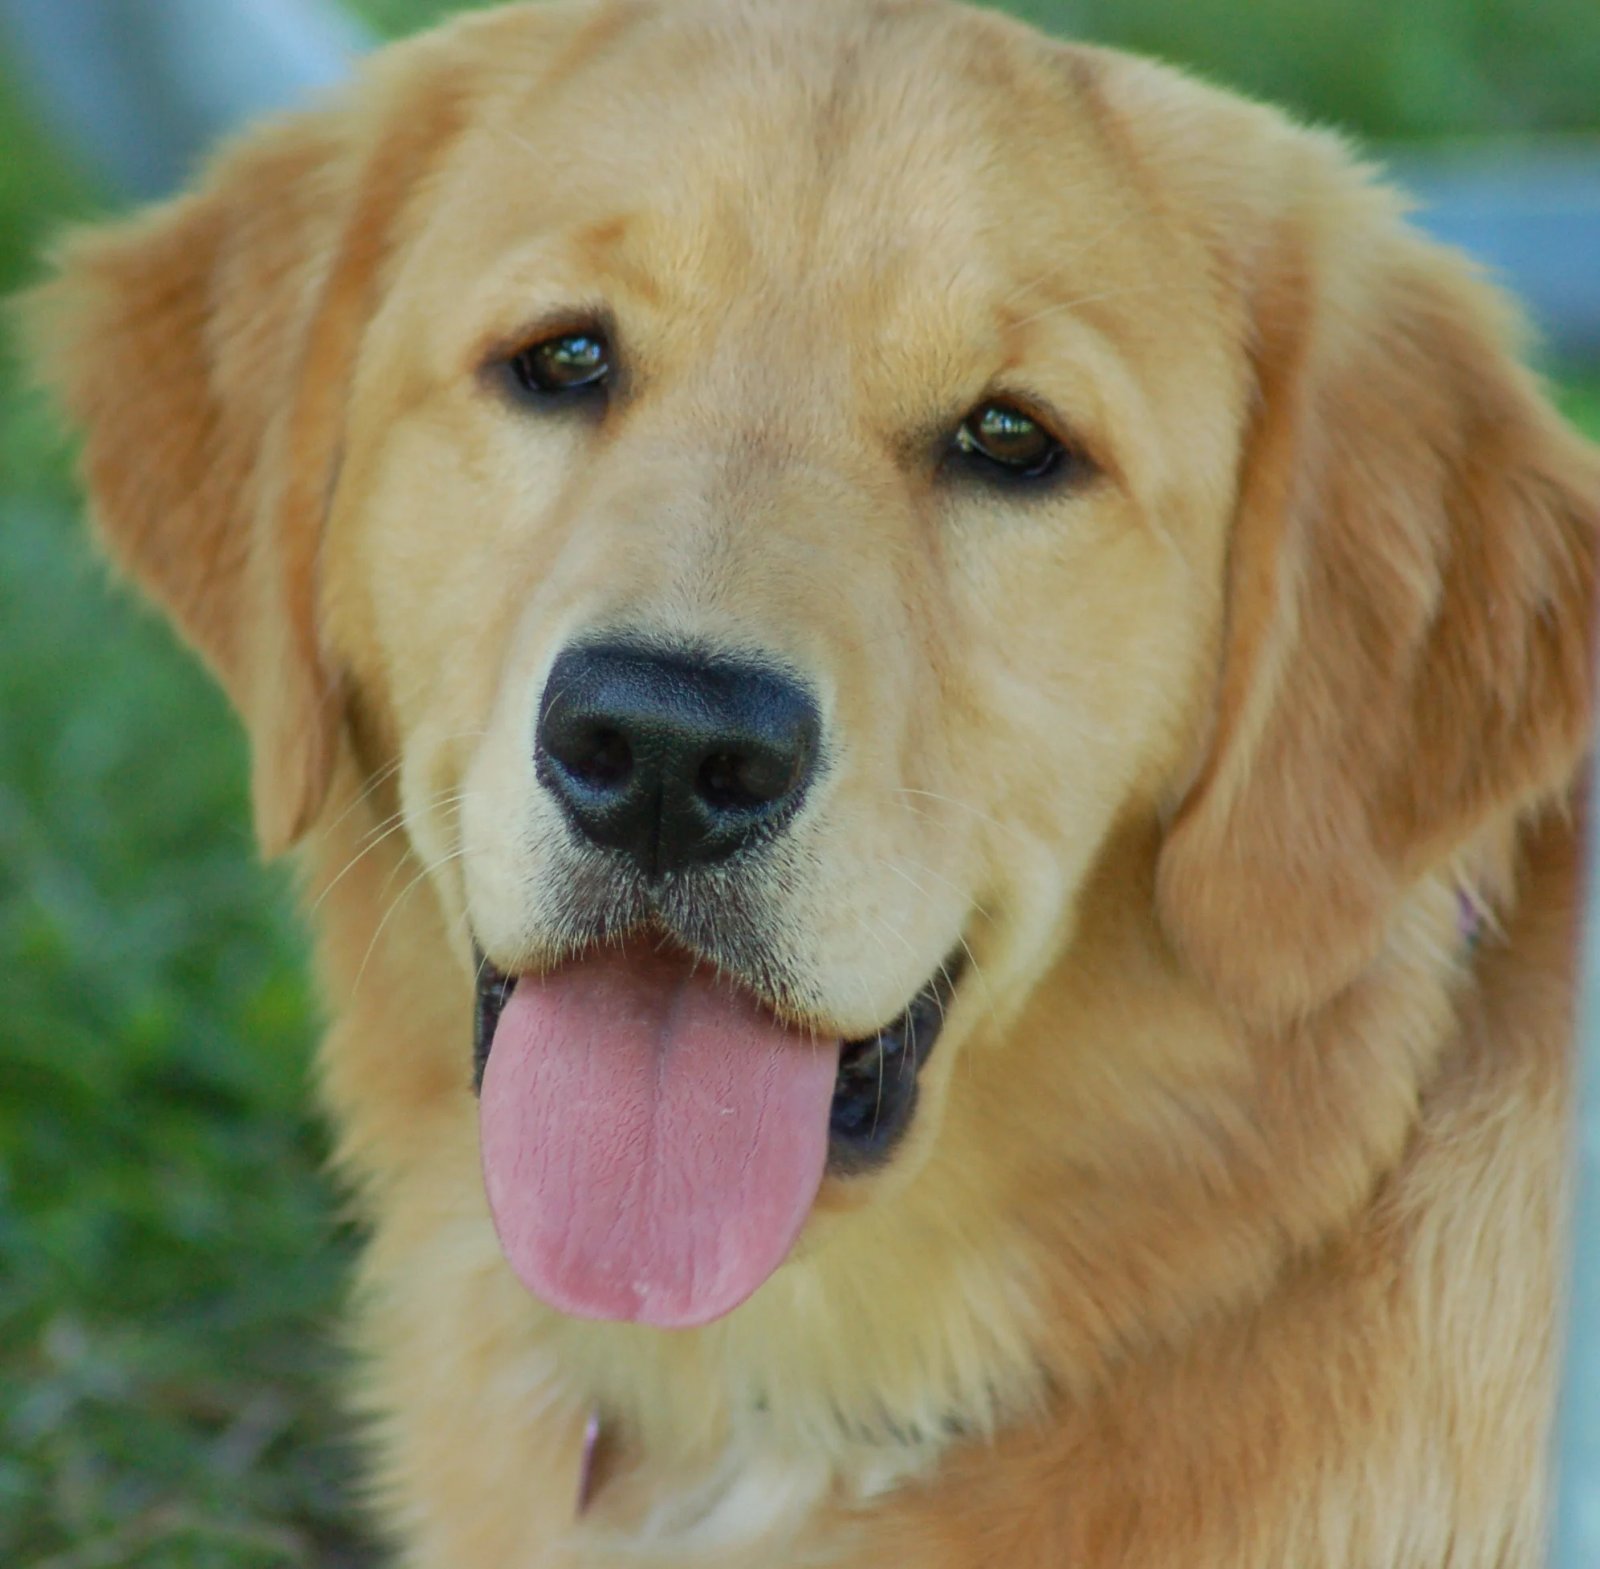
x,y
1227,1234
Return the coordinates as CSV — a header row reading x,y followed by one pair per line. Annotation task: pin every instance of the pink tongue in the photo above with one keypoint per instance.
x,y
652,1139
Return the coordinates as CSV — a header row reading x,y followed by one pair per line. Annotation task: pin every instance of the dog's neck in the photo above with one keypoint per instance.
x,y
1115,1165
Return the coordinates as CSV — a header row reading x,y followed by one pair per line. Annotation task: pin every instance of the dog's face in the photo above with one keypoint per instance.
x,y
759,537
851,478
763,479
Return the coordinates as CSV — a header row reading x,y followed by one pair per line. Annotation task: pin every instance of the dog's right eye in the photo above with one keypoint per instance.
x,y
570,363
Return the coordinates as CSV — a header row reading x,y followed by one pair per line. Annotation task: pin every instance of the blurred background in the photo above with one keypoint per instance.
x,y
171,1256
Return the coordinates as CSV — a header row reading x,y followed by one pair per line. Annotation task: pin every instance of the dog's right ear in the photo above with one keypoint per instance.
x,y
205,348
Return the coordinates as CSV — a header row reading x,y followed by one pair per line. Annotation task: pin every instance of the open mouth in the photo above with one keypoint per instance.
x,y
874,1090
653,1134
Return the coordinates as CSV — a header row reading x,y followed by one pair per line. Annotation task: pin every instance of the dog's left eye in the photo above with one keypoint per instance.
x,y
573,362
1009,443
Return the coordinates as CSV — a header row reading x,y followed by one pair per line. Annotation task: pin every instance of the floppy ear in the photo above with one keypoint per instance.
x,y
1408,652
205,347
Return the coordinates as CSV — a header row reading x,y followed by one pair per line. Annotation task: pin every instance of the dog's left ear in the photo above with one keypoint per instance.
x,y
1409,646
205,348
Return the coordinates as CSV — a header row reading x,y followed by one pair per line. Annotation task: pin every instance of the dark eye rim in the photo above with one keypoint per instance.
x,y
1064,459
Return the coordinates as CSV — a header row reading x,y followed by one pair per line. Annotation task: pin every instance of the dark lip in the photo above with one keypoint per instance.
x,y
875,1092
494,989
874,1095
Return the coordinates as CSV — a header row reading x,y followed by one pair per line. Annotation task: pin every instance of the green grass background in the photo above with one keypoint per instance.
x,y
170,1253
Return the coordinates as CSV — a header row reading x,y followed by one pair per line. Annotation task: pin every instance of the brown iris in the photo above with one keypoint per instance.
x,y
569,363
1013,442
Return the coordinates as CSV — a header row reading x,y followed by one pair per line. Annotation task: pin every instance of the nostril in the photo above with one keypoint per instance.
x,y
741,781
600,756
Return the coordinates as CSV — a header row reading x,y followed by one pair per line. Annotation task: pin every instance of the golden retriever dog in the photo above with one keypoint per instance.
x,y
931,687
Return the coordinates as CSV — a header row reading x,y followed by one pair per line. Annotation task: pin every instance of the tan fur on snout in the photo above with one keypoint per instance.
x,y
1226,1234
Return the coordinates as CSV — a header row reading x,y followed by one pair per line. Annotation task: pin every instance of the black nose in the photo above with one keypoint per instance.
x,y
673,758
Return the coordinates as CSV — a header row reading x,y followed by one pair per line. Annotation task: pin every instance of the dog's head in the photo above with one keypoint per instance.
x,y
782,489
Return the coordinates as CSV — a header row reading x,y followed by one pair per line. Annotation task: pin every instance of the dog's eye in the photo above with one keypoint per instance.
x,y
1000,438
574,362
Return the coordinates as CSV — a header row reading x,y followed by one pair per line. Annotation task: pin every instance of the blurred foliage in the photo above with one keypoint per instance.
x,y
1425,68
168,1248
